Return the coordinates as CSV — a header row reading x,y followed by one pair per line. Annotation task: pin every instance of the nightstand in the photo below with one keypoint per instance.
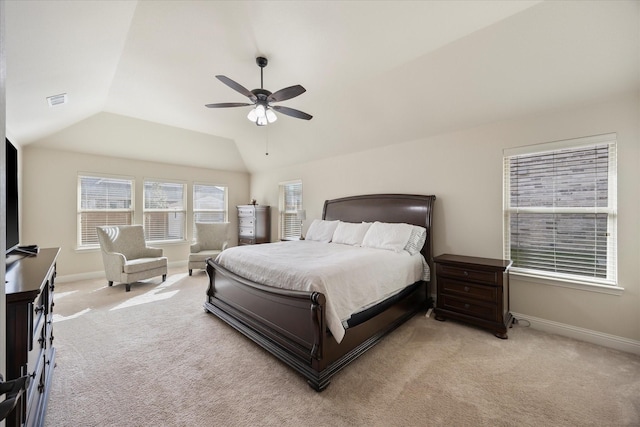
x,y
474,290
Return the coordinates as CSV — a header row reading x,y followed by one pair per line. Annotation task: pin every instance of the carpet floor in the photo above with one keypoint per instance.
x,y
153,357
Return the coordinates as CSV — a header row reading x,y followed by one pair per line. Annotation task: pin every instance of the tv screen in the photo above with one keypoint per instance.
x,y
13,230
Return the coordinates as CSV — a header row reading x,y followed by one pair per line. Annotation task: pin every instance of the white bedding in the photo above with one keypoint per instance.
x,y
351,278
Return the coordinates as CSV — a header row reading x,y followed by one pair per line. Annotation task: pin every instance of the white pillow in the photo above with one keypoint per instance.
x,y
349,233
321,230
416,240
382,235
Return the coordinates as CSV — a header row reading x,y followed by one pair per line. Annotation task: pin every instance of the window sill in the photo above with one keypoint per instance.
x,y
582,286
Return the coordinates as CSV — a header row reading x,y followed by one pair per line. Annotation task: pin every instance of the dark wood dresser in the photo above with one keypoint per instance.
x,y
30,350
254,224
474,290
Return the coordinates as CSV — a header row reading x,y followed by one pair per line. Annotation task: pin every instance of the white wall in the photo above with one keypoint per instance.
x,y
49,200
464,170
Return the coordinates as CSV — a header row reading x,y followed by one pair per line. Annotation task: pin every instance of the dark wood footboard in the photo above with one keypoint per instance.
x,y
291,325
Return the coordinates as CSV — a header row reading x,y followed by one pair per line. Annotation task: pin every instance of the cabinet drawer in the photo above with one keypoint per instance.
x,y
468,290
37,314
246,221
488,277
246,241
469,307
246,212
246,232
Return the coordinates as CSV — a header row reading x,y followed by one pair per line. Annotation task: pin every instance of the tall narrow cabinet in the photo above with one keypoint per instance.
x,y
30,350
254,224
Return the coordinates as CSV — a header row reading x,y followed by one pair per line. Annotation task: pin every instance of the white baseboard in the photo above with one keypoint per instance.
x,y
100,274
594,337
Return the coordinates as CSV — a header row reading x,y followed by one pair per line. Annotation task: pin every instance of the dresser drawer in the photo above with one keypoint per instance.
x,y
469,307
246,232
480,276
246,221
38,317
246,212
468,290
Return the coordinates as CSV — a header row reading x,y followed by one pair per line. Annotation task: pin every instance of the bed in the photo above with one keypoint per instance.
x,y
294,325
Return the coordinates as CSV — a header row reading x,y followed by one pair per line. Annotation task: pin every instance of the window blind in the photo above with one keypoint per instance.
x,y
209,204
290,203
102,201
164,211
560,210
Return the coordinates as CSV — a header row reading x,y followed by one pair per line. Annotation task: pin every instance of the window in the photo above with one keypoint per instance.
x,y
102,201
164,211
290,203
209,204
560,209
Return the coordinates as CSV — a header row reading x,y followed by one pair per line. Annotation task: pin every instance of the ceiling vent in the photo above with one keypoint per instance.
x,y
56,100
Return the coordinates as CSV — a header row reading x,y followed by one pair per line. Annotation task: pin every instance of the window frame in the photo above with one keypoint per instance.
x,y
610,283
183,210
80,211
284,232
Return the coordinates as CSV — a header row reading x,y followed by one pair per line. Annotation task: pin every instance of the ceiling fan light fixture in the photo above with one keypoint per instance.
x,y
261,121
271,116
252,116
261,111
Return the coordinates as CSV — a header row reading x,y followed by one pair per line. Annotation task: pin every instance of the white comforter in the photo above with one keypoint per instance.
x,y
351,278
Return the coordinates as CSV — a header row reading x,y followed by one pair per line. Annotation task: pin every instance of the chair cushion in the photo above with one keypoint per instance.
x,y
144,264
203,255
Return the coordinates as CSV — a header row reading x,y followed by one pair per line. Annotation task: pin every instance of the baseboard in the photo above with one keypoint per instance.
x,y
100,274
594,337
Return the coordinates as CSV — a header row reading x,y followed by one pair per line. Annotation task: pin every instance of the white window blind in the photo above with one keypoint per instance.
x,y
209,204
290,203
164,211
560,209
102,201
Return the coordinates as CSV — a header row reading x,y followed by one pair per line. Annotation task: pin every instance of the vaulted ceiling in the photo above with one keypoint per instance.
x,y
138,74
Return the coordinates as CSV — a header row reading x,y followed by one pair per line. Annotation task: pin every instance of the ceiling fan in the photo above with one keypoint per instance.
x,y
263,113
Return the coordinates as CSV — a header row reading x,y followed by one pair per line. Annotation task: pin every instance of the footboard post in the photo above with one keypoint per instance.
x,y
211,272
317,305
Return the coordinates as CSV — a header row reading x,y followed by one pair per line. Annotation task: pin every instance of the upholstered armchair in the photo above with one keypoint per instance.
x,y
211,239
126,256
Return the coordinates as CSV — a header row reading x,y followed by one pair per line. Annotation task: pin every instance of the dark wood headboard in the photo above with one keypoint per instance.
x,y
407,208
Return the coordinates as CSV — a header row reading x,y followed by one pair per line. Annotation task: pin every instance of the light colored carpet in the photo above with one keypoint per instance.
x,y
153,357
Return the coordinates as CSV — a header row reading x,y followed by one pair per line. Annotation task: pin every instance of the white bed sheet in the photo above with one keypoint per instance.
x,y
351,278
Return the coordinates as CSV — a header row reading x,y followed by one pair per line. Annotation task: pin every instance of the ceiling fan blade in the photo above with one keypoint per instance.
x,y
286,93
292,112
237,87
227,104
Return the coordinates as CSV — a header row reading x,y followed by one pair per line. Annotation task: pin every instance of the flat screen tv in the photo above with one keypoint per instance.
x,y
13,230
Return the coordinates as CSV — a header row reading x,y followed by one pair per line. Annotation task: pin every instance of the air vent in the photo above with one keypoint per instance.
x,y
56,100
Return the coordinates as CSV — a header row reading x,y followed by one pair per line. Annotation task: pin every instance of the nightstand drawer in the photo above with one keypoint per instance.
x,y
469,307
468,290
488,277
246,241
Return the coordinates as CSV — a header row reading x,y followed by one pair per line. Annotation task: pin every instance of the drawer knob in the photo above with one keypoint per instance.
x,y
466,289
466,273
467,306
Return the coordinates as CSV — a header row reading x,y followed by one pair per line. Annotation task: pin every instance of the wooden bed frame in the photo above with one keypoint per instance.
x,y
292,324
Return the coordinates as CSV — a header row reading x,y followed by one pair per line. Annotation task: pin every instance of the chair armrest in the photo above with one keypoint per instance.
x,y
115,258
151,252
194,248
